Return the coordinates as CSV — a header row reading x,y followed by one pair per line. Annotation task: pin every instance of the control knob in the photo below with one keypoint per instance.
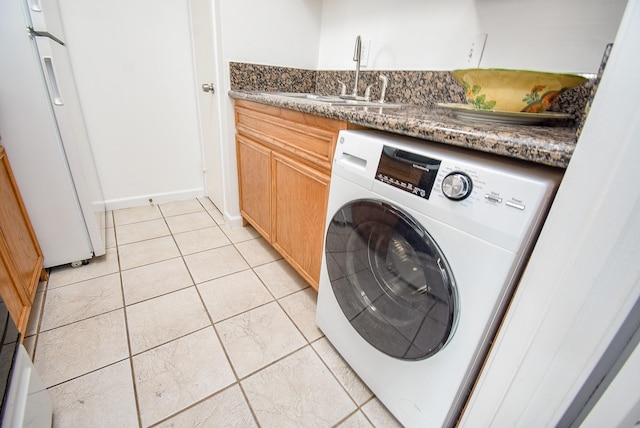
x,y
457,186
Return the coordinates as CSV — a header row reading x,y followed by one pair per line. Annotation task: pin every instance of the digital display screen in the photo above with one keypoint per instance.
x,y
407,171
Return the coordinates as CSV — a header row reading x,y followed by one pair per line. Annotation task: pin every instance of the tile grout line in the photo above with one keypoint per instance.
x,y
215,331
238,380
224,349
359,407
126,325
36,335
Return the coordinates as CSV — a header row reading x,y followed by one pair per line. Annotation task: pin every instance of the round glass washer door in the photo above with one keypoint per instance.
x,y
391,280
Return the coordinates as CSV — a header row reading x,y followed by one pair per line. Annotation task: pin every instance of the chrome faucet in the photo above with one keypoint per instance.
x,y
357,56
357,53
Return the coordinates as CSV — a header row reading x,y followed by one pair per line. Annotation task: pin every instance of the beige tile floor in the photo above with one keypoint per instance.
x,y
187,322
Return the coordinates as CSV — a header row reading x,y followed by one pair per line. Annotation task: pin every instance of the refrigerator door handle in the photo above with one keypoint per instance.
x,y
56,96
33,33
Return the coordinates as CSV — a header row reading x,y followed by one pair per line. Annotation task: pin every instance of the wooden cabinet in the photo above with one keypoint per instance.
x,y
300,207
254,165
21,259
284,166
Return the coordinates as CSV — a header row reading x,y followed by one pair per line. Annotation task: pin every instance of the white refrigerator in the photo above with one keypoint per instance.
x,y
44,134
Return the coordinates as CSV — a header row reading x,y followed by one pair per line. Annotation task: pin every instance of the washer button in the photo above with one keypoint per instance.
x,y
515,205
493,198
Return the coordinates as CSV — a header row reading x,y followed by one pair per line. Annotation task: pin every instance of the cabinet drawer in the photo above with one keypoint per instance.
x,y
310,138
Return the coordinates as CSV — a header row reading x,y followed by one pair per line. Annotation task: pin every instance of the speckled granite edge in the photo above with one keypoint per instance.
x,y
421,91
421,88
551,146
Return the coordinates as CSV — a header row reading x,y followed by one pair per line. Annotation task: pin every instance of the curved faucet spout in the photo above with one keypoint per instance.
x,y
357,54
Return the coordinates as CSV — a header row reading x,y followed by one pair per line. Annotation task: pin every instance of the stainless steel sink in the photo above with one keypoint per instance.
x,y
361,103
306,96
331,100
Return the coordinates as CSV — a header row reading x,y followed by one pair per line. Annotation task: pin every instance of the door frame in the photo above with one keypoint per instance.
x,y
211,151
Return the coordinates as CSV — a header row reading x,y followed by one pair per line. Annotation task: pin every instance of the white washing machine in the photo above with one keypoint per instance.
x,y
423,247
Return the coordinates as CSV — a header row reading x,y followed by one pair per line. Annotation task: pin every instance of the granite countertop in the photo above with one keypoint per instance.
x,y
548,145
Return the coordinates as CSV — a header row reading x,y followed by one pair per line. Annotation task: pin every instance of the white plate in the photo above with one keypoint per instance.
x,y
466,111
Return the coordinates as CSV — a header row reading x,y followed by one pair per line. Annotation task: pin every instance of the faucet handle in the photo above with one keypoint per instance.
x,y
383,89
367,93
343,89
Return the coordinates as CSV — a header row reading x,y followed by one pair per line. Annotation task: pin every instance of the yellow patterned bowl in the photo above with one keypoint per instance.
x,y
514,90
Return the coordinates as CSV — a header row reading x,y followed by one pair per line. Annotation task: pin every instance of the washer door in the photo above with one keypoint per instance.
x,y
391,279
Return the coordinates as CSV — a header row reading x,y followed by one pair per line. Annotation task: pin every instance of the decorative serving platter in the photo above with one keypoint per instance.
x,y
469,112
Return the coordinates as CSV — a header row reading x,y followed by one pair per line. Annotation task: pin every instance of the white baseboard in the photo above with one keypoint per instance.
x,y
158,198
233,221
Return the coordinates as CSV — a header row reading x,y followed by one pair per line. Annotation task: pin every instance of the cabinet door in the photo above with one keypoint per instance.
x,y
12,300
300,207
22,247
254,172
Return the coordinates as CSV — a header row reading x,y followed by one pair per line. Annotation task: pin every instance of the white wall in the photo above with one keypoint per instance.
x,y
404,35
276,32
133,67
552,35
279,32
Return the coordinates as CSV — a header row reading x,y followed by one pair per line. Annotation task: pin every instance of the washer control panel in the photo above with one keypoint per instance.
x,y
417,174
424,176
492,198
